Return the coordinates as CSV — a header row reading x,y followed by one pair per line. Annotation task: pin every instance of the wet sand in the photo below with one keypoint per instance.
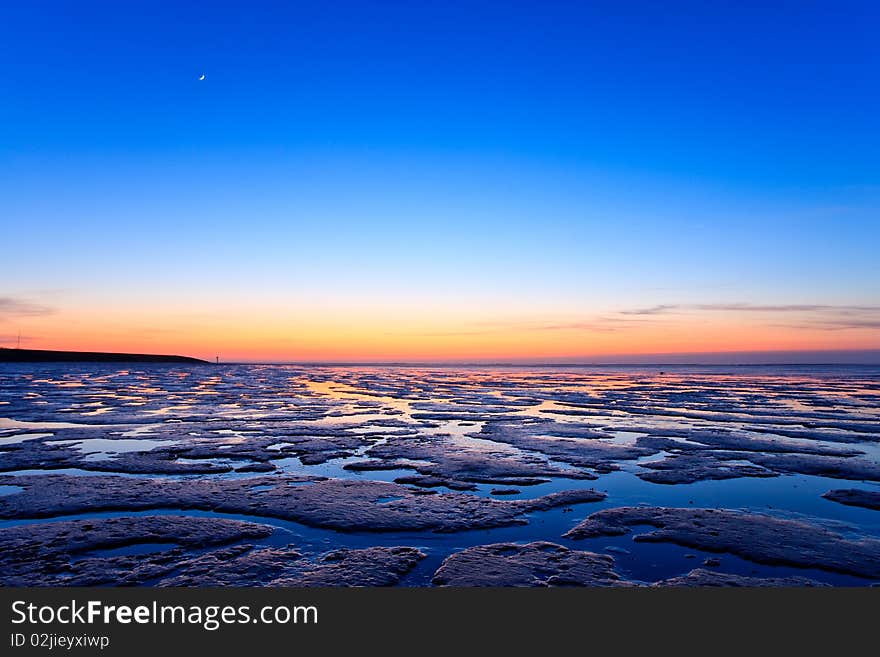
x,y
417,476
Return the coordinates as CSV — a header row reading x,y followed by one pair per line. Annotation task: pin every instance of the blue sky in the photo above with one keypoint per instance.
x,y
467,163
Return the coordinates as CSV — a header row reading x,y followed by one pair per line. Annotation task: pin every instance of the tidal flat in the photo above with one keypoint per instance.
x,y
284,475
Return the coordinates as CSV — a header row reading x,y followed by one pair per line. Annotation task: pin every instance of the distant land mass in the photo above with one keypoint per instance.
x,y
47,356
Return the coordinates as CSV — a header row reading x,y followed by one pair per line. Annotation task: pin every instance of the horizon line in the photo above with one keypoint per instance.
x,y
744,358
817,357
537,364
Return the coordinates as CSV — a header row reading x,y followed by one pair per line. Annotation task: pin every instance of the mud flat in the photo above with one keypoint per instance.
x,y
858,469
701,456
443,458
703,577
185,447
690,468
756,537
49,554
869,499
68,553
246,566
535,564
347,463
340,504
430,481
579,446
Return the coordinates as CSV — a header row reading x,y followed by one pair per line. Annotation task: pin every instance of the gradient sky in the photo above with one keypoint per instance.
x,y
430,181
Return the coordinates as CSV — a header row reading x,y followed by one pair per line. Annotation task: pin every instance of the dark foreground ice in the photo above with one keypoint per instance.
x,y
177,475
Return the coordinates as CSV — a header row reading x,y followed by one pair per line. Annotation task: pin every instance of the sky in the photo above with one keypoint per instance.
x,y
463,181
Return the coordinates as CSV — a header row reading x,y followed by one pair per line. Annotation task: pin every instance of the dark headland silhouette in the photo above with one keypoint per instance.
x,y
47,356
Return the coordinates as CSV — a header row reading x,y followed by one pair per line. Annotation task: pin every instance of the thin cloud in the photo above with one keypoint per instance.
x,y
14,339
815,316
651,310
833,325
13,307
751,307
786,308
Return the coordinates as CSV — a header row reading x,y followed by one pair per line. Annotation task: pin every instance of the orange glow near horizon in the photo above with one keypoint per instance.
x,y
266,336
